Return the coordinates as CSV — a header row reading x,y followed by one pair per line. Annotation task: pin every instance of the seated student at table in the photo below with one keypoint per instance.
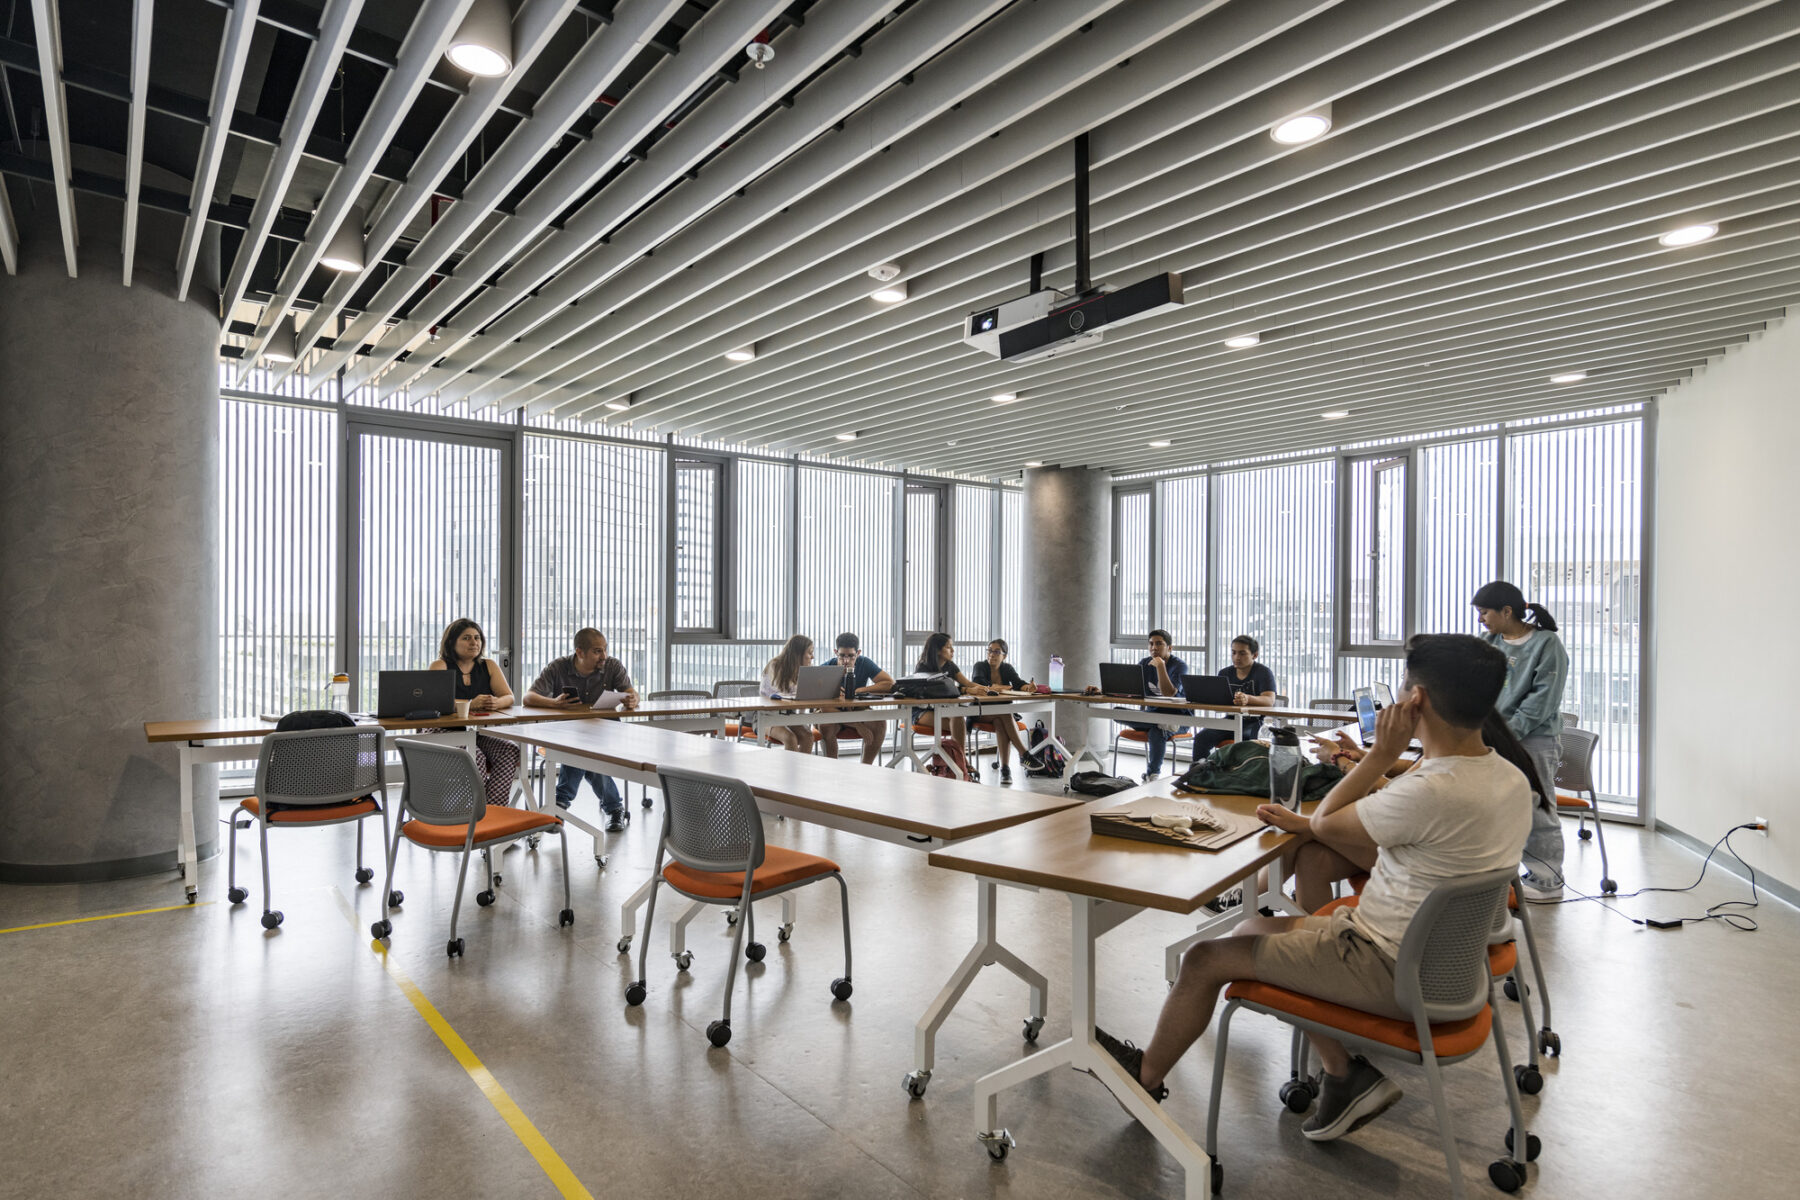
x,y
1252,686
863,678
938,656
779,678
480,682
1162,677
578,681
1464,811
995,676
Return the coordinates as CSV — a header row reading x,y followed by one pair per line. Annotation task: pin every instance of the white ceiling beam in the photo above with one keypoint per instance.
x,y
142,14
228,77
608,52
9,233
47,24
713,41
336,23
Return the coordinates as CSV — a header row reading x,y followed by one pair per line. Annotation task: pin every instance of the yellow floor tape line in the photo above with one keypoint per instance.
x,y
138,912
516,1120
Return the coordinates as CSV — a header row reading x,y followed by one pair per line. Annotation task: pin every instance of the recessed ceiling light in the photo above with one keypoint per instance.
x,y
1303,127
742,353
1336,414
1687,235
483,42
1244,341
1004,397
849,437
1569,377
1034,464
950,443
1162,444
346,250
619,405
892,293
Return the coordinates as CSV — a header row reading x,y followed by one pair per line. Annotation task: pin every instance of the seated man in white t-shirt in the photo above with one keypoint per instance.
x,y
1463,811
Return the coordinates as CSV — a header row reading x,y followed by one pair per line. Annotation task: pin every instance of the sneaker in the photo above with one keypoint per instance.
x,y
1231,899
1540,888
615,822
1149,775
1346,1105
1030,761
1005,774
1129,1057
565,805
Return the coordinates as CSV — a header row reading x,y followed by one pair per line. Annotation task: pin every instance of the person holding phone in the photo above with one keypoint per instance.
x,y
994,676
577,681
479,680
862,677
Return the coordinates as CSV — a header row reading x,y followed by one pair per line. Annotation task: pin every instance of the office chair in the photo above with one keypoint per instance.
x,y
309,778
1575,789
713,834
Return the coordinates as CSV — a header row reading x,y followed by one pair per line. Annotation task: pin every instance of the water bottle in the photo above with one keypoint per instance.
x,y
1286,763
1056,679
340,692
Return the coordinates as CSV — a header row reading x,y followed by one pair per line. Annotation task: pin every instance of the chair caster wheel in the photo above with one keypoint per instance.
x,y
1586,835
1532,1145
840,989
1549,1043
755,951
719,1032
625,944
998,1142
1033,1026
1298,1094
565,918
1530,1082
364,874
634,995
496,879
1512,990
1218,1177
381,929
484,898
1609,886
914,1083
1507,1175
237,895
731,916
684,960
396,899
783,932
531,843
600,860
648,802
454,948
271,919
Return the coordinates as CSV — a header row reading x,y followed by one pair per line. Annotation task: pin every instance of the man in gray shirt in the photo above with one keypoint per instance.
x,y
578,680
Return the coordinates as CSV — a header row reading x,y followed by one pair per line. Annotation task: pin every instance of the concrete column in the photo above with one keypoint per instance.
x,y
1067,589
109,456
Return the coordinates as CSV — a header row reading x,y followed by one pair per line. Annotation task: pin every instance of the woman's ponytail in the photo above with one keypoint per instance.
x,y
1540,617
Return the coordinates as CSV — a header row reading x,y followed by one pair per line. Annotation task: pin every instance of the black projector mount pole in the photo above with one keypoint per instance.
x,y
1083,285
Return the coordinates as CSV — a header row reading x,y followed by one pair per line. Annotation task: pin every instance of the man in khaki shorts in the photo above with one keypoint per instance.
x,y
1463,811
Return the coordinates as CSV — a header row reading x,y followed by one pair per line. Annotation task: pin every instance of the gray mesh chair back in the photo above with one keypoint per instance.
x,y
1576,771
1570,720
682,694
710,823
311,767
442,785
732,689
1441,972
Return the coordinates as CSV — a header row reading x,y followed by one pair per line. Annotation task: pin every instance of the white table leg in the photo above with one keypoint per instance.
x,y
986,952
187,855
678,934
628,912
788,911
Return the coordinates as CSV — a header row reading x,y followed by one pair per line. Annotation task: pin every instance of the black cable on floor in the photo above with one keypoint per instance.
x,y
1729,912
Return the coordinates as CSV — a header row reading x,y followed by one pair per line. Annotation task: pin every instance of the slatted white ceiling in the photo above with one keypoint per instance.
x,y
1483,214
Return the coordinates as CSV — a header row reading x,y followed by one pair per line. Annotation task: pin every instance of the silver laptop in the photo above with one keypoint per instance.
x,y
819,683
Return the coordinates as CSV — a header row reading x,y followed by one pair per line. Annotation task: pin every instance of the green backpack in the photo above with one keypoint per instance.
x,y
1242,769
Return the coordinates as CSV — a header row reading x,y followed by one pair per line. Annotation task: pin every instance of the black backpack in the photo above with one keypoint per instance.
x,y
1096,783
313,718
926,687
1047,754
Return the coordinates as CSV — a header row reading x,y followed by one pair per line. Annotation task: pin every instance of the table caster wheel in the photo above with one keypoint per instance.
x,y
531,843
600,860
635,993
364,874
1298,1094
271,919
731,916
998,1142
454,948
237,895
381,929
565,918
914,1083
1529,1079
625,944
1507,1175
1033,1026
191,894
755,951
840,989
719,1032
484,898
684,960
1549,1043
1532,1145
496,879
1609,886
396,899
784,932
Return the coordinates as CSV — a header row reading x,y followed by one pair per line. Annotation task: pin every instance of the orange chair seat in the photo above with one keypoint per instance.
x,y
923,728
735,729
325,812
990,723
780,867
1502,956
1143,735
1571,800
498,822
1450,1038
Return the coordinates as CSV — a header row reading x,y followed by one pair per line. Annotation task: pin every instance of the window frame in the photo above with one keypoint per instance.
x,y
1152,568
724,592
1357,638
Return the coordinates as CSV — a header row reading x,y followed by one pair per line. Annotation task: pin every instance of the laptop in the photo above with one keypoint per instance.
x,y
1366,708
1384,696
404,692
819,683
1125,680
1206,689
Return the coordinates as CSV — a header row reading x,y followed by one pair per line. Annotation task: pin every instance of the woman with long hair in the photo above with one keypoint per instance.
x,y
1537,670
938,657
479,681
779,679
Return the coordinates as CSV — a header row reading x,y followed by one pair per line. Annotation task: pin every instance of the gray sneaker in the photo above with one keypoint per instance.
x,y
1347,1104
1132,1059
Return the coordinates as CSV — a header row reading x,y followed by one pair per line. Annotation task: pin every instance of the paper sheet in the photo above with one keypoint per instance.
x,y
609,701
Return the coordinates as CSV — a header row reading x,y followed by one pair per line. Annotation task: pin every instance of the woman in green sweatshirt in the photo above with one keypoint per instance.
x,y
1537,668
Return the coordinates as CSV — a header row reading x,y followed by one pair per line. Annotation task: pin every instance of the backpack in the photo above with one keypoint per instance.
x,y
313,718
1242,769
1095,783
954,751
920,686
1046,750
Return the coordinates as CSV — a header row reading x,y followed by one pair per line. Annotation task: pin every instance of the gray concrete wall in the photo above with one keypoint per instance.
x,y
109,428
1067,580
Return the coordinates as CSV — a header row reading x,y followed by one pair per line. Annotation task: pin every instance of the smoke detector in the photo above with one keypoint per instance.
x,y
885,272
761,54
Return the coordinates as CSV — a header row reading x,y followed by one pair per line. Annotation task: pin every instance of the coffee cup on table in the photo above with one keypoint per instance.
x,y
462,708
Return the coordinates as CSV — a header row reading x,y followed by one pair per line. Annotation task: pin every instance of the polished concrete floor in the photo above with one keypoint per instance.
x,y
190,1053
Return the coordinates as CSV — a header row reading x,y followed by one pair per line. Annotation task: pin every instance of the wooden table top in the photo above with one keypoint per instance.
x,y
220,728
1062,852
918,804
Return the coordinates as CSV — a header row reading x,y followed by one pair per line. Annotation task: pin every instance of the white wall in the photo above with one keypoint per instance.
x,y
1728,602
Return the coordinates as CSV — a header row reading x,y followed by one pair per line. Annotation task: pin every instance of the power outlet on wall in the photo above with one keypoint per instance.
x,y
1764,822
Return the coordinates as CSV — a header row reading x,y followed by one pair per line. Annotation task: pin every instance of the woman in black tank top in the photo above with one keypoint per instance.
x,y
480,681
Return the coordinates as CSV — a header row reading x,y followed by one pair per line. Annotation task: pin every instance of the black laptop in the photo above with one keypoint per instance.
x,y
1125,680
404,693
1206,689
